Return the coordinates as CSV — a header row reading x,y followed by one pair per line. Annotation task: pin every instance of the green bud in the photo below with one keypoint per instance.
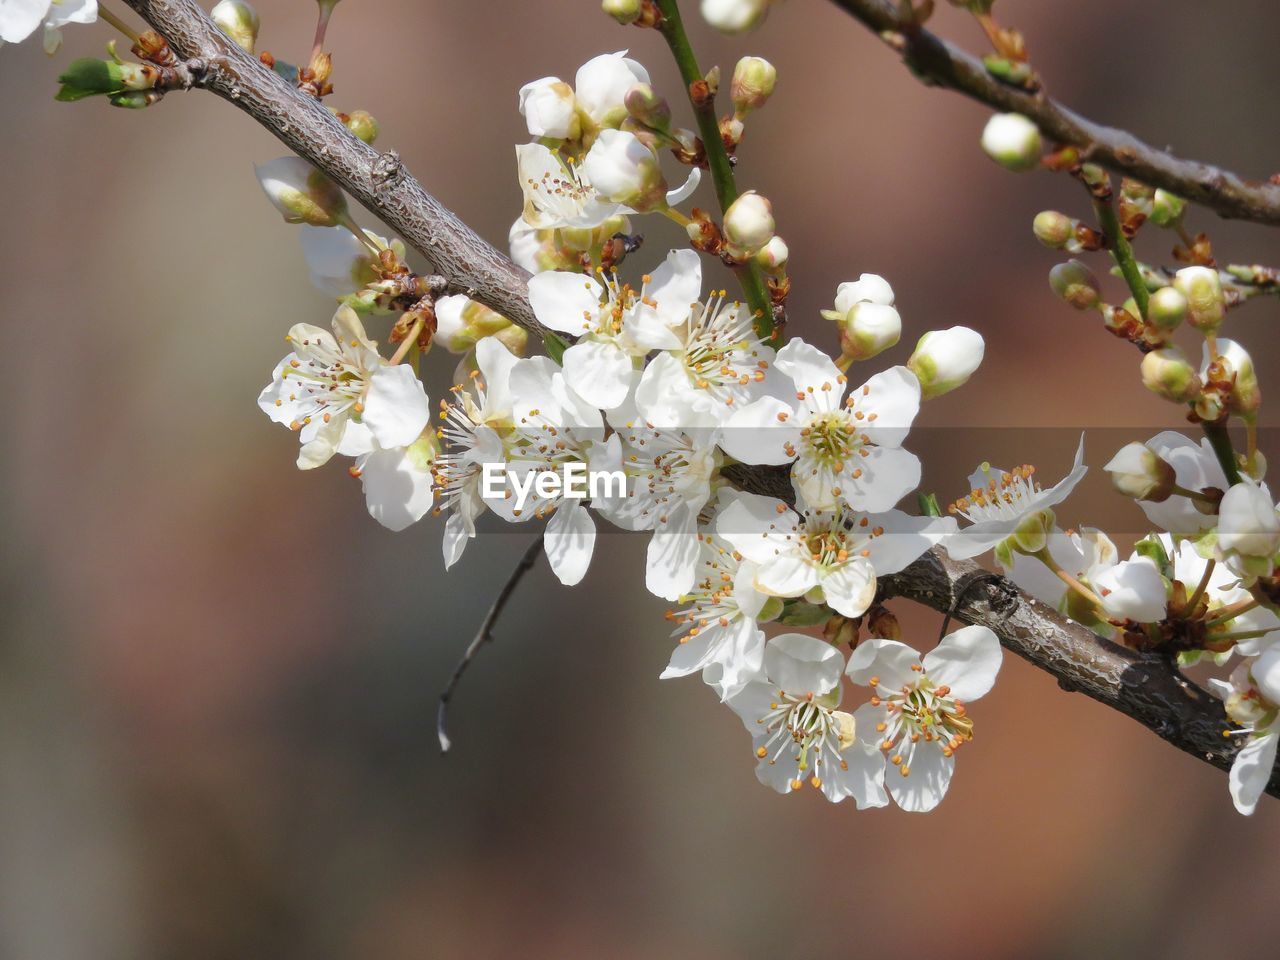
x,y
1206,303
1053,229
239,21
1139,472
1075,283
624,11
135,99
89,77
1168,373
647,107
1012,141
1031,535
362,125
1167,309
753,81
1166,209
771,610
773,257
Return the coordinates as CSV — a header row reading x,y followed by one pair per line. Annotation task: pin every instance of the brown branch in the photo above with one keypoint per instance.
x,y
938,62
1146,688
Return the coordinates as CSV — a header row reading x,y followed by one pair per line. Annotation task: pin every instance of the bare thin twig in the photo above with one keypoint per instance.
x,y
1147,688
938,62
483,635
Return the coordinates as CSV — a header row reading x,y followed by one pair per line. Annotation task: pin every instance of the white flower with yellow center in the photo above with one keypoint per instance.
x,y
846,449
616,324
917,717
1252,701
1000,500
341,396
798,731
828,556
719,367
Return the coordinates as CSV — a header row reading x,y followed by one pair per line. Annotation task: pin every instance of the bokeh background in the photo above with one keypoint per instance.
x,y
218,677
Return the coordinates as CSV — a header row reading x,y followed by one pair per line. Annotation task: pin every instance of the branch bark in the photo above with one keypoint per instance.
x,y
940,63
1146,688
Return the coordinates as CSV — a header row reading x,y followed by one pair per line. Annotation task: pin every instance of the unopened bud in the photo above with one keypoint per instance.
x,y
869,287
840,631
734,16
1206,303
1031,535
1139,472
624,11
773,256
1245,396
868,329
1166,209
1168,373
748,223
461,323
647,107
1012,141
1247,523
945,359
1166,309
239,21
883,624
362,125
624,170
1075,283
302,193
1053,229
753,82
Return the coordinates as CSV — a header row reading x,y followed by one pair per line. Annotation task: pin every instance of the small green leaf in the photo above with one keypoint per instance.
x,y
802,613
929,504
88,77
556,345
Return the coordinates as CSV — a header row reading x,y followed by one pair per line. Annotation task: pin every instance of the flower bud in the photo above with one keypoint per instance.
x,y
1139,472
1166,209
1166,309
734,16
624,11
1167,372
1206,304
647,107
1076,284
461,322
362,125
1012,141
748,223
550,109
752,85
945,359
868,329
773,256
1245,397
302,193
515,339
869,287
1247,523
624,170
1031,535
239,21
1053,229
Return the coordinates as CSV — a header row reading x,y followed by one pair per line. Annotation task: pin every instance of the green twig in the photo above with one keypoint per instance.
x,y
718,165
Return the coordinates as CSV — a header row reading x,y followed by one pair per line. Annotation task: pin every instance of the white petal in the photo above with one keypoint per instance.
x,y
456,536
861,777
568,302
906,539
788,575
966,660
569,541
396,409
926,785
813,372
683,192
891,400
599,373
850,587
757,527
397,492
672,556
761,432
1251,771
1132,589
889,662
676,285
887,475
603,81
801,664
19,18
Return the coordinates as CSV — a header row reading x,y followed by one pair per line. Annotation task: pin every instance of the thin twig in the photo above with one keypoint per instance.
x,y
483,636
938,62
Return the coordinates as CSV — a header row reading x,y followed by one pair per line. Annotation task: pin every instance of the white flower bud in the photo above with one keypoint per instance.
x,y
868,329
624,170
1248,526
869,288
1168,372
302,193
239,21
734,16
1012,141
753,81
773,256
461,322
549,109
1075,283
945,359
1139,472
1053,229
748,223
1166,309
624,11
1206,303
1166,209
1245,397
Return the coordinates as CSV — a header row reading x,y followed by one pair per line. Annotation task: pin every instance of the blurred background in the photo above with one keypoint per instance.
x,y
218,676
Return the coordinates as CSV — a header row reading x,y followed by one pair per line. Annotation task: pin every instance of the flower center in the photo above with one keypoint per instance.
x,y
1002,497
812,726
832,439
921,713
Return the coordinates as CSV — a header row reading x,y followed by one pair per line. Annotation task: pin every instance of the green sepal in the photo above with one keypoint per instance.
x,y
89,77
929,504
802,613
555,345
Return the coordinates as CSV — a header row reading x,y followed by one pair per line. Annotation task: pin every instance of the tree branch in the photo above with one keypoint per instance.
x,y
1147,688
938,62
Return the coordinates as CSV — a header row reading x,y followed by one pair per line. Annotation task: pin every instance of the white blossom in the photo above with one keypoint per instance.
x,y
1248,529
1256,715
1196,468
